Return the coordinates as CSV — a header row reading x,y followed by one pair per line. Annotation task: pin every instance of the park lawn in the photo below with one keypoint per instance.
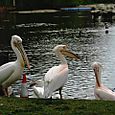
x,y
21,106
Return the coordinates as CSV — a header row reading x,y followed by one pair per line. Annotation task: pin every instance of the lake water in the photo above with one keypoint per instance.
x,y
41,32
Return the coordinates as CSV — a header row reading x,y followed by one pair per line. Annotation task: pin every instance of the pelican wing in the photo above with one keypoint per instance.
x,y
40,83
6,71
39,91
55,78
6,65
104,94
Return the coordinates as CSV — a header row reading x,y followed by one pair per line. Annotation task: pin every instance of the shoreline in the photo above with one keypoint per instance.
x,y
92,7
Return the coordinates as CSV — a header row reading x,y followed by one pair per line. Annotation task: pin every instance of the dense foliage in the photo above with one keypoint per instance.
x,y
51,3
55,3
91,1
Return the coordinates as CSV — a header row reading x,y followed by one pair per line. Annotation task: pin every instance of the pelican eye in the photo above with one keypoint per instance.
x,y
15,43
18,41
96,68
64,47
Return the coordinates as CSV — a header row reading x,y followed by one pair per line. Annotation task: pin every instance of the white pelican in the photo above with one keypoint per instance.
x,y
12,71
101,92
38,88
57,76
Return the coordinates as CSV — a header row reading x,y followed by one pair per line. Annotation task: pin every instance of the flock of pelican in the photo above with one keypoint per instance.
x,y
54,79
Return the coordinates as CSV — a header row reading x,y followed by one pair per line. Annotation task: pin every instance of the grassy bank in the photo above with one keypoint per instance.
x,y
18,106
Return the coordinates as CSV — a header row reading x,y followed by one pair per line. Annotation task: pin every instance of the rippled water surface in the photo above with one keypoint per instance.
x,y
42,32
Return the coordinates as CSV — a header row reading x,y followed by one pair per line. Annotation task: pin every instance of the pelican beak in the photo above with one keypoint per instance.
x,y
23,54
96,75
70,54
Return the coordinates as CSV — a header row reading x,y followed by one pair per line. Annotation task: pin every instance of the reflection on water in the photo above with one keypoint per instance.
x,y
42,32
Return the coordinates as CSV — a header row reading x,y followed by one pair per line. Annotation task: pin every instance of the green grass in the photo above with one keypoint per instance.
x,y
18,106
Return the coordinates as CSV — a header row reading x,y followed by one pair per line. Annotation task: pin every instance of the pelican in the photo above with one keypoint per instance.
x,y
38,88
12,71
57,76
101,92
